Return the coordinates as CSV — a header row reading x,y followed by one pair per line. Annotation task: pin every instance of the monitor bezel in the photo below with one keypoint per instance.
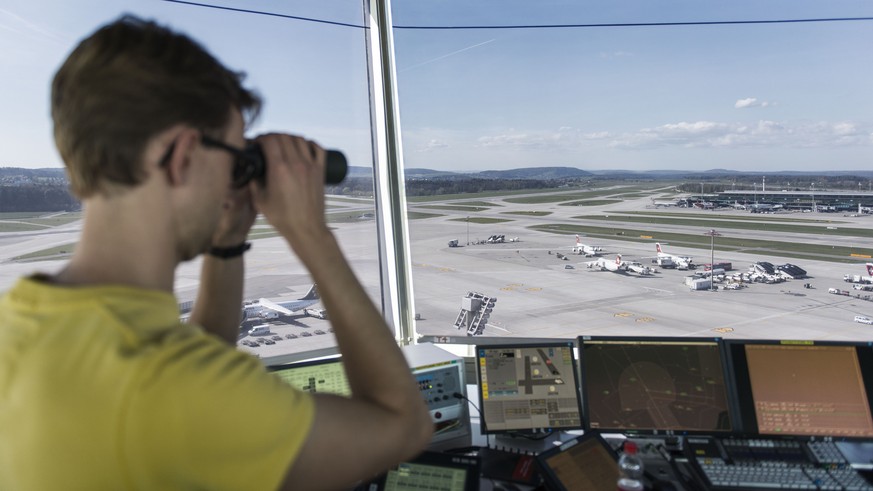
x,y
740,380
728,386
483,423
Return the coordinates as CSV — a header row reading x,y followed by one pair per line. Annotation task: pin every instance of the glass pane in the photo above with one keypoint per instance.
x,y
517,140
313,77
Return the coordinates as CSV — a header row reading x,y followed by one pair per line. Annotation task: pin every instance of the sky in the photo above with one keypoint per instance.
x,y
789,96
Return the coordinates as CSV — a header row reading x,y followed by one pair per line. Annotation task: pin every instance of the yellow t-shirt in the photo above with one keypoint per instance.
x,y
104,388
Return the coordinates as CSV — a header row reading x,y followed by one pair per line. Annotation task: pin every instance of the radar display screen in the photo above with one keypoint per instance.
x,y
805,388
321,376
652,385
528,388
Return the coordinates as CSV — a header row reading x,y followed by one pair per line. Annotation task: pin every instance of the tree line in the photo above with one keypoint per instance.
x,y
37,198
363,186
55,195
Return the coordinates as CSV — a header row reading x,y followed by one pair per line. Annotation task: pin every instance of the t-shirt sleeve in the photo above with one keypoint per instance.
x,y
206,416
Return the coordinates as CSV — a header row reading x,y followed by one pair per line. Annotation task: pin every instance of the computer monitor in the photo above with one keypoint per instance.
x,y
436,471
803,388
654,385
528,388
322,376
583,462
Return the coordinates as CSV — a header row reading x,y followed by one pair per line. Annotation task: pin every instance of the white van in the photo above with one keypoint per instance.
x,y
261,330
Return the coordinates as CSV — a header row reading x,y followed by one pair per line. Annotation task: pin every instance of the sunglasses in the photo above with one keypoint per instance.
x,y
248,162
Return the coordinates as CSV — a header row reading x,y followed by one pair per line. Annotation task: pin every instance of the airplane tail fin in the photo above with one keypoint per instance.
x,y
312,294
577,239
870,269
658,246
618,259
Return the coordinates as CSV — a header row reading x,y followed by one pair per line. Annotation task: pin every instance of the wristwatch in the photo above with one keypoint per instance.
x,y
229,252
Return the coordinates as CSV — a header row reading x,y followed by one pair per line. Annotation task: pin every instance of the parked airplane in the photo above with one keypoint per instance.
x,y
587,250
638,268
682,262
604,264
267,309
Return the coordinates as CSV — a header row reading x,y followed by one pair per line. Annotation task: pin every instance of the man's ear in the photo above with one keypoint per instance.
x,y
178,166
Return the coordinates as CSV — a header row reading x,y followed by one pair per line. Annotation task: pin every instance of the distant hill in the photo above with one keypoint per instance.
x,y
535,173
47,189
521,173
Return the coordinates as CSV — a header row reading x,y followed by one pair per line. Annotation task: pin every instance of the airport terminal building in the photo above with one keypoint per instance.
x,y
818,201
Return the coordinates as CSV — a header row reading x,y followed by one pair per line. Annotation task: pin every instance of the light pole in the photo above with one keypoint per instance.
x,y
468,229
712,234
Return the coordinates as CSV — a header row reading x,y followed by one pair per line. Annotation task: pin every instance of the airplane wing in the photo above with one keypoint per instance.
x,y
274,306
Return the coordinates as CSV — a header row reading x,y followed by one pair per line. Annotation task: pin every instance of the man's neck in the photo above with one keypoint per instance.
x,y
125,241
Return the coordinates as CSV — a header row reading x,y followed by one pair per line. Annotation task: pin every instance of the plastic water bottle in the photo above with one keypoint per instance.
x,y
630,469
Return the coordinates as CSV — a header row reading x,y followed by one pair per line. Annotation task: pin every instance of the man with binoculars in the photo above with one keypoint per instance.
x,y
101,385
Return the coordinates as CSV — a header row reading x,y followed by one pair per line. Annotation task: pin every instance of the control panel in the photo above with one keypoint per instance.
x,y
440,377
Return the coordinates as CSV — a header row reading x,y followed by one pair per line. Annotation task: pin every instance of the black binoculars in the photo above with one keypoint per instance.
x,y
253,165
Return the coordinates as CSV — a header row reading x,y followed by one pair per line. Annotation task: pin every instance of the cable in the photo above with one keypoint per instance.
x,y
271,14
641,24
458,395
534,437
530,26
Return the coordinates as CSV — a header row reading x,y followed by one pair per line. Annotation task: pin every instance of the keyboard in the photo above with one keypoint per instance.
x,y
735,463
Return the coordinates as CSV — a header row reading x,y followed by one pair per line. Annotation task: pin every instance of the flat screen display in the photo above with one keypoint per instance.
x,y
528,388
804,388
654,385
582,463
320,376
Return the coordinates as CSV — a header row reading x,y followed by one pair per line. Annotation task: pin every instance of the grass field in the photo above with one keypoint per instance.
x,y
735,224
486,194
477,203
58,252
27,222
470,209
833,253
527,213
592,202
718,216
481,220
569,196
20,227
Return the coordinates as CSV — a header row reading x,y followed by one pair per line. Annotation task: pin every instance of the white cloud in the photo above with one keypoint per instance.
x,y
751,102
708,134
537,139
520,145
597,135
432,145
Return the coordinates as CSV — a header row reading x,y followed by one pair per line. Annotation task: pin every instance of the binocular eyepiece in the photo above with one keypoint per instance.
x,y
253,165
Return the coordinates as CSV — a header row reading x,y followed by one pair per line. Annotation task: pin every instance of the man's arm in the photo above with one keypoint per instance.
x,y
218,307
386,419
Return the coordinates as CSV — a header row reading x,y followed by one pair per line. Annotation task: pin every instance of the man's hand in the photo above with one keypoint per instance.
x,y
293,197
